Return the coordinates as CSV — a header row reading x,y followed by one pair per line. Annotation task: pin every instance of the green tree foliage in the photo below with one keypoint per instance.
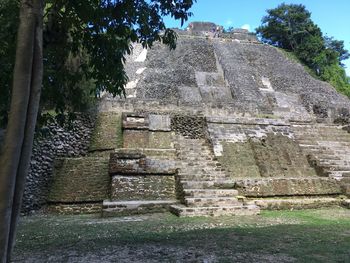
x,y
290,27
83,39
85,43
337,46
287,26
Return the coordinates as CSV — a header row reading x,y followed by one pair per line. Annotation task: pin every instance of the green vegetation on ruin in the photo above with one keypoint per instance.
x,y
274,236
290,27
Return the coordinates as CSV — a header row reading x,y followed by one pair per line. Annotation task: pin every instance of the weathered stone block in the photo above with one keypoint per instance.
x,y
80,180
107,134
288,186
135,121
278,155
156,153
159,122
73,209
135,138
298,203
149,187
190,95
238,160
120,208
138,164
160,140
189,126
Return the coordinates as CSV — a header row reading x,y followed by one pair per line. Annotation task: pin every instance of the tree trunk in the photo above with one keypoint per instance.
x,y
16,151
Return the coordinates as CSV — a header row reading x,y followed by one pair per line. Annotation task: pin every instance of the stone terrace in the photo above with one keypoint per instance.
x,y
221,125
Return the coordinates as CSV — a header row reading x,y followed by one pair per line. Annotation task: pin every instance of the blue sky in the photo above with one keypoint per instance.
x,y
333,17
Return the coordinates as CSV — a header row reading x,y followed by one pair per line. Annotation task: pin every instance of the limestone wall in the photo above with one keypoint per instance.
x,y
287,187
107,134
226,77
253,148
137,178
243,97
56,142
145,187
80,184
189,126
78,180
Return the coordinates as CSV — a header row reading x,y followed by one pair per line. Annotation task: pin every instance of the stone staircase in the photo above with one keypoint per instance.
x,y
199,176
329,145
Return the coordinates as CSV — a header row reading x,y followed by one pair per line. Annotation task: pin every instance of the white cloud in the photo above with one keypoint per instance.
x,y
229,22
246,26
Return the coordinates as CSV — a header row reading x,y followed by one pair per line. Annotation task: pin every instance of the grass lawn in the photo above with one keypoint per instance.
x,y
274,236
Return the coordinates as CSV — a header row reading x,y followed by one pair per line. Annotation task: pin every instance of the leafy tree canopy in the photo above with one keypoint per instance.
x,y
289,26
85,43
337,46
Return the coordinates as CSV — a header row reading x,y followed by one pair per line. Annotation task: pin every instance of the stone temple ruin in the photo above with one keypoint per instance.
x,y
222,125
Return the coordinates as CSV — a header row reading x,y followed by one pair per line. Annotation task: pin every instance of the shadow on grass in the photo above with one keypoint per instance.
x,y
171,239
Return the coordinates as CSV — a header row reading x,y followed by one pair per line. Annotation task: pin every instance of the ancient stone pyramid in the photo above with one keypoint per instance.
x,y
222,125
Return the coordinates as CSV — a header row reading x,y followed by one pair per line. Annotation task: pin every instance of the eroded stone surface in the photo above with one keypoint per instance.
x,y
83,179
229,114
150,187
138,164
288,187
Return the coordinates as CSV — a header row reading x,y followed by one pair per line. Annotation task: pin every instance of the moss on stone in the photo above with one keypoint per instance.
x,y
160,140
107,133
307,186
279,156
135,138
80,180
238,160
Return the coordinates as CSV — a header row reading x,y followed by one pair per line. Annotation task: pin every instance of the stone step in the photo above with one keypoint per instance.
x,y
211,192
182,139
203,177
211,201
197,158
339,173
333,163
197,146
201,163
187,163
192,152
197,170
315,147
323,154
337,168
295,203
339,156
181,210
342,152
321,133
208,184
189,151
330,157
318,150
315,139
194,147
341,162
117,208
